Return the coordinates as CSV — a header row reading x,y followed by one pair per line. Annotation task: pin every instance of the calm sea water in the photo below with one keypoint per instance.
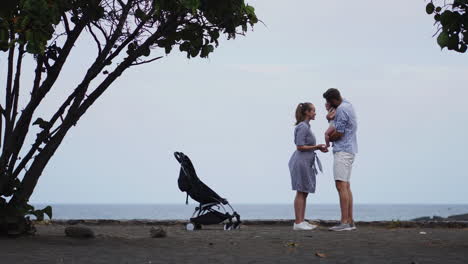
x,y
363,212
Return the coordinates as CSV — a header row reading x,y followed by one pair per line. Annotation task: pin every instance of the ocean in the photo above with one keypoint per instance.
x,y
362,212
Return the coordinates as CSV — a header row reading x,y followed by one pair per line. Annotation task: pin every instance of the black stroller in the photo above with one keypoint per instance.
x,y
205,213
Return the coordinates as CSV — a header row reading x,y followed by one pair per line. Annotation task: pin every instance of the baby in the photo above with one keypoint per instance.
x,y
330,116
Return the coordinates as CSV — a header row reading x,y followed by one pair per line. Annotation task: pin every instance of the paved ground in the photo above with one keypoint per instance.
x,y
251,244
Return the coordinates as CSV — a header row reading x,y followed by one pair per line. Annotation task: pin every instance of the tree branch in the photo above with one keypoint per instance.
x,y
146,61
65,23
1,123
172,26
104,33
98,43
16,86
9,96
21,129
98,64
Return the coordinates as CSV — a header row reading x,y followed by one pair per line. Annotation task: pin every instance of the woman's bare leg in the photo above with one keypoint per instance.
x,y
299,206
304,207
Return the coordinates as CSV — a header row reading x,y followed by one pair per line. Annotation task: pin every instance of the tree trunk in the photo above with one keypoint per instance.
x,y
31,177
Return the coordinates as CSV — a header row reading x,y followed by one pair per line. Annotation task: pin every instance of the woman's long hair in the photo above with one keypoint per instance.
x,y
301,111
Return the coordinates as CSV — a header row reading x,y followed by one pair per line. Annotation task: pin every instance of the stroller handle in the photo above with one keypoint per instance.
x,y
178,156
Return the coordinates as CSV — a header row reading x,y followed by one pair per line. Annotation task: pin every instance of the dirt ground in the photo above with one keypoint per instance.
x,y
251,244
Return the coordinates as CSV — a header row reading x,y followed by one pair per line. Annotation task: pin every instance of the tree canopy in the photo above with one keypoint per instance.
x,y
452,23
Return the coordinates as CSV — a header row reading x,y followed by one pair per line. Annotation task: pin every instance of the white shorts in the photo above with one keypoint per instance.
x,y
342,166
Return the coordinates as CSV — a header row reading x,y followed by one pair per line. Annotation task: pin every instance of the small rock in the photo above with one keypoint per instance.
x,y
79,231
157,232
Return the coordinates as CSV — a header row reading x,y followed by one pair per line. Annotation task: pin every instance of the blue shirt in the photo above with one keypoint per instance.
x,y
346,123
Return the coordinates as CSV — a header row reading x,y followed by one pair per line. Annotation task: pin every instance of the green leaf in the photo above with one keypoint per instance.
x,y
446,18
168,49
198,42
453,42
443,39
184,46
210,48
48,211
140,14
206,50
131,48
39,214
191,4
146,52
194,52
430,8
250,10
214,35
74,19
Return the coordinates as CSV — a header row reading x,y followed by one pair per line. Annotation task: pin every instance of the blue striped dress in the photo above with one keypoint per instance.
x,y
302,164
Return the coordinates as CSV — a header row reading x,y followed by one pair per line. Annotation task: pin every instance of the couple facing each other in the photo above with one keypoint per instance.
x,y
304,161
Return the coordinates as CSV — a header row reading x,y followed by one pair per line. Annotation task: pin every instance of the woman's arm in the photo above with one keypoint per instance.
x,y
320,147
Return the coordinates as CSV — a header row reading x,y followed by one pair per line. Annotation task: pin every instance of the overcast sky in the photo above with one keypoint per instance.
x,y
233,114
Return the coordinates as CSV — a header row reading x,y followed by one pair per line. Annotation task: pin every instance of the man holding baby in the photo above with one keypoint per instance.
x,y
342,132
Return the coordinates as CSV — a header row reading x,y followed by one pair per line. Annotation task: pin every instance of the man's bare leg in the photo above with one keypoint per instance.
x,y
344,200
350,206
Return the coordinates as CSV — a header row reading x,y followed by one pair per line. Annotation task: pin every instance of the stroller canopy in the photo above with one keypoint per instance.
x,y
190,183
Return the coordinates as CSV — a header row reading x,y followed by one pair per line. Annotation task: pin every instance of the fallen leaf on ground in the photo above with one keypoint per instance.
x,y
292,244
320,255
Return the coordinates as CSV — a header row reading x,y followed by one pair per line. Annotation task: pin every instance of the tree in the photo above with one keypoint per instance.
x,y
125,34
452,24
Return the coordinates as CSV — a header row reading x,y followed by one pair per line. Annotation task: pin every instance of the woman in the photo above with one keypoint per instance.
x,y
302,164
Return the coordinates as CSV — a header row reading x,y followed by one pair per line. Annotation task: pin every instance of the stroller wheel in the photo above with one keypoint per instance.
x,y
228,226
190,227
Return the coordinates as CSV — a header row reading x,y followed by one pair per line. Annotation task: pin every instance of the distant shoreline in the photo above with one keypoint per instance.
x,y
252,212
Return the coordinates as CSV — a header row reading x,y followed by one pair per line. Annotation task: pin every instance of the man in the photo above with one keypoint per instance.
x,y
344,151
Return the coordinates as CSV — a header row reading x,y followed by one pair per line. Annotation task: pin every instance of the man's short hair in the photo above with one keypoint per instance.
x,y
331,94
